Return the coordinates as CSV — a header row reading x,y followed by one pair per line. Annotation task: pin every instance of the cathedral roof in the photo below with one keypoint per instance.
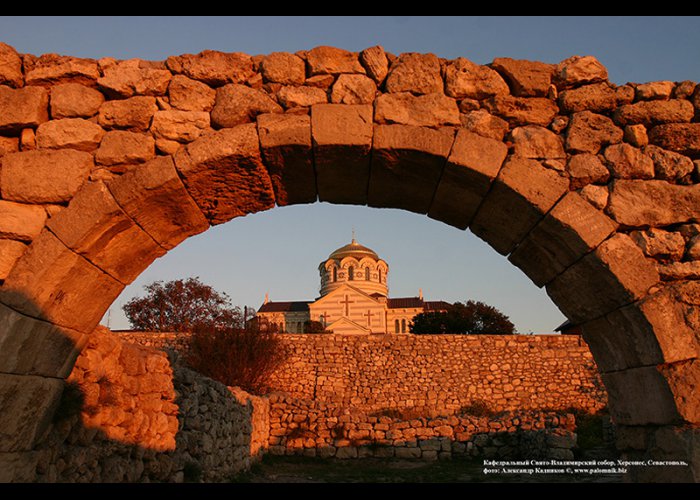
x,y
411,302
353,249
284,307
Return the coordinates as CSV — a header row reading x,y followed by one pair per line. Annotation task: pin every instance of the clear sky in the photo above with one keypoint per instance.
x,y
278,251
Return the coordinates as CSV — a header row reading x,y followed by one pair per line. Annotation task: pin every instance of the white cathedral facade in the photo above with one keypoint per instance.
x,y
354,298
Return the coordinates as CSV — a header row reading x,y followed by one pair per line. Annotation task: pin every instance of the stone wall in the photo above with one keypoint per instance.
x,y
314,428
433,374
135,414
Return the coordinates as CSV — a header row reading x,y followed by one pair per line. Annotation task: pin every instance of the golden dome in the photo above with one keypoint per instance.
x,y
353,249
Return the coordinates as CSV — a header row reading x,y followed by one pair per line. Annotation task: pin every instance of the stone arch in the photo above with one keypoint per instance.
x,y
572,177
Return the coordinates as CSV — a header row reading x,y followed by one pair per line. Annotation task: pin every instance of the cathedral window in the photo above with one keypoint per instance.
x,y
351,273
403,326
335,274
380,275
367,273
396,326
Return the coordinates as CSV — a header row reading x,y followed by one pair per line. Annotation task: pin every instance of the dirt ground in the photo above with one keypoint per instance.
x,y
299,469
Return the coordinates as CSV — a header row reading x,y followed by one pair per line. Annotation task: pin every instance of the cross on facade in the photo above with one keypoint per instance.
x,y
347,303
369,315
324,318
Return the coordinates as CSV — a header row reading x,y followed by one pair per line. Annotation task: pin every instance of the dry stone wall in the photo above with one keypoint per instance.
x,y
134,414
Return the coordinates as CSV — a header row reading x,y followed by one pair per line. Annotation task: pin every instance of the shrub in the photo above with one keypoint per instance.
x,y
237,357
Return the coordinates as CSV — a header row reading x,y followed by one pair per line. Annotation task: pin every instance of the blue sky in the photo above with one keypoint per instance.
x,y
278,251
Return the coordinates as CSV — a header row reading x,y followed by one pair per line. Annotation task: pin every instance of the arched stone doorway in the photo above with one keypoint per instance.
x,y
589,188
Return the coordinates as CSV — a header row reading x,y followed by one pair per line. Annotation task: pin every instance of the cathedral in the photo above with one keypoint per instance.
x,y
354,298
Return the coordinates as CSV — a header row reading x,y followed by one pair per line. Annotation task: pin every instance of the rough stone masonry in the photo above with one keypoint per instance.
x,y
590,187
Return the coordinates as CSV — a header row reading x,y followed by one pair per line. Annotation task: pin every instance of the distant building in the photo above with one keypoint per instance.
x,y
568,328
354,298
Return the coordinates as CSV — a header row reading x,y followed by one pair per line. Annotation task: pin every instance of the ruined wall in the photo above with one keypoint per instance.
x,y
132,414
433,374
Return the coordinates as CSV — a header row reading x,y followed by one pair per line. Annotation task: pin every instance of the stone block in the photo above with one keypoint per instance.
x,y
683,379
29,346
473,163
134,113
628,162
23,108
415,73
407,452
430,110
285,141
225,175
682,138
353,89
121,146
236,104
284,68
669,165
346,452
134,77
73,133
53,283
153,195
44,176
532,141
325,60
406,166
522,110
10,251
577,70
342,138
213,67
525,78
569,231
465,79
190,95
586,168
589,132
73,100
178,125
643,203
27,405
301,96
10,66
520,196
614,275
654,112
375,62
96,227
20,221
50,69
597,98
640,396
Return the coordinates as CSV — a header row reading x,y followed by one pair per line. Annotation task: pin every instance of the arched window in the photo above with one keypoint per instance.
x,y
403,326
380,275
351,273
335,274
367,273
396,326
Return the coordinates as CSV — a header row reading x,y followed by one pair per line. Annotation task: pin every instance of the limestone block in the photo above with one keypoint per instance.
x,y
342,138
416,73
53,283
588,132
190,95
532,141
154,196
8,145
406,166
285,141
353,89
471,167
680,270
654,90
667,164
586,168
525,78
44,176
522,110
649,332
640,396
640,203
10,251
628,162
73,133
485,124
636,135
654,112
72,100
34,347
27,404
301,96
521,194
95,227
134,77
22,108
19,221
284,68
431,110
213,67
180,126
134,113
597,98
375,62
660,244
52,68
577,70
225,175
682,138
121,146
331,60
570,230
10,67
236,104
464,78
614,275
